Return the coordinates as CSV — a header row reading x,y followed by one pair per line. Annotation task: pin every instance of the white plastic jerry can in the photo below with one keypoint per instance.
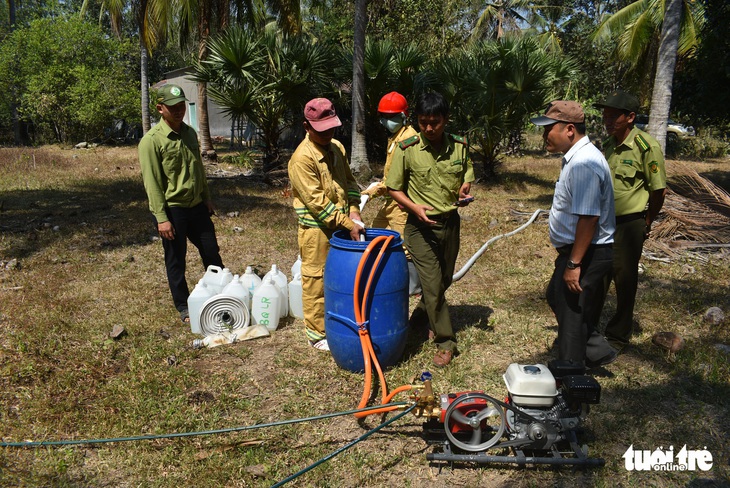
x,y
216,278
265,305
200,294
296,268
280,280
236,289
296,304
250,281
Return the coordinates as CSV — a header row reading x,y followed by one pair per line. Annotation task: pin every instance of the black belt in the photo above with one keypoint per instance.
x,y
622,219
442,217
565,250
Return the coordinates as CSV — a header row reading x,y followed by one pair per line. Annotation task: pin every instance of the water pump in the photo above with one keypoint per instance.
x,y
537,423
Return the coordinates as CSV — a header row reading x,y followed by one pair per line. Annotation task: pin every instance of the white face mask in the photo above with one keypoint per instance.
x,y
393,125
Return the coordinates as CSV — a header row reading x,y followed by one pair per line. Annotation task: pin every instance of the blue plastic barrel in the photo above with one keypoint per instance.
x,y
387,308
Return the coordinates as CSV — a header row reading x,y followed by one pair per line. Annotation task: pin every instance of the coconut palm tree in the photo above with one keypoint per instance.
x,y
666,61
656,32
637,27
358,155
500,17
149,17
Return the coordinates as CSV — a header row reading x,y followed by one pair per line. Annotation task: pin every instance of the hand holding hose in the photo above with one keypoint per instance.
x,y
359,228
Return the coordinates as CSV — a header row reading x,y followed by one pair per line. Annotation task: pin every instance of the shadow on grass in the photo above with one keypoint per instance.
x,y
517,180
101,214
462,317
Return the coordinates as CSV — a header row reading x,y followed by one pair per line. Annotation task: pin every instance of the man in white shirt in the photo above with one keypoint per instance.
x,y
582,224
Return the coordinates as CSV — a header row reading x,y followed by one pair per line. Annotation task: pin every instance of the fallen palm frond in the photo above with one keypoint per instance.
x,y
695,215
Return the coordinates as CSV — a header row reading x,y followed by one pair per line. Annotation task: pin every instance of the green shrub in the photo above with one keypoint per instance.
x,y
245,159
705,145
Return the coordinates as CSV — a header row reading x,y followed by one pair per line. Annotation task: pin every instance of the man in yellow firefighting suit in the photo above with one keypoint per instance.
x,y
393,112
326,198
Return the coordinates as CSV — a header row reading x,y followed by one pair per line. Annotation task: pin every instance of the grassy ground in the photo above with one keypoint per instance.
x,y
77,224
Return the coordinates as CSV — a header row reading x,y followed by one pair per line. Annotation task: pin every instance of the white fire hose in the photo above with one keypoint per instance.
x,y
460,274
224,320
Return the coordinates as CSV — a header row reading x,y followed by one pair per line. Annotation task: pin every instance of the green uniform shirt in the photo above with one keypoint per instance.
x,y
172,169
431,178
637,168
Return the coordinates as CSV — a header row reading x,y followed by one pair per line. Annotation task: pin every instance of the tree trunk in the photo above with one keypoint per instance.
x,y
144,85
17,137
206,144
359,157
661,98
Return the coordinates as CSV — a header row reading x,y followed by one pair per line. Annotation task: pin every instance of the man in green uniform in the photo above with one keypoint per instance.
x,y
639,185
430,177
177,190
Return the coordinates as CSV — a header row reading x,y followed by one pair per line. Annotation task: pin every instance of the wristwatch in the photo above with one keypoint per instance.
x,y
573,265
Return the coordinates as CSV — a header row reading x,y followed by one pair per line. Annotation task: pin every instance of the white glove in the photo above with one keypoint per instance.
x,y
372,185
363,200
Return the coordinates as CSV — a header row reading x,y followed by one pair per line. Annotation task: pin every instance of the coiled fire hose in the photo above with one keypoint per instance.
x,y
222,313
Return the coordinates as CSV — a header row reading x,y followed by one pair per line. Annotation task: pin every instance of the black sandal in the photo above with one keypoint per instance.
x,y
185,316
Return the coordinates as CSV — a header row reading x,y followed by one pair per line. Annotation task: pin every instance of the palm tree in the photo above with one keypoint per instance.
x,y
149,16
359,156
494,85
200,19
500,17
637,27
265,80
11,12
17,137
548,24
666,61
386,69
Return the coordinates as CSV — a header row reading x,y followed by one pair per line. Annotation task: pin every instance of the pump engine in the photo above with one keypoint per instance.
x,y
535,424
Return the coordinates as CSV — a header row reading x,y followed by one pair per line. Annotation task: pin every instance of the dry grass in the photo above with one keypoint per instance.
x,y
77,222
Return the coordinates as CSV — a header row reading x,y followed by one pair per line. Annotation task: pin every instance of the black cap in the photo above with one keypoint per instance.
x,y
620,100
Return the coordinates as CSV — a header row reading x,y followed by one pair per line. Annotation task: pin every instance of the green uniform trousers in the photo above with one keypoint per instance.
x,y
434,249
627,247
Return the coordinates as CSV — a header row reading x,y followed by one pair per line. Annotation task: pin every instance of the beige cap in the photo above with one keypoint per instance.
x,y
561,111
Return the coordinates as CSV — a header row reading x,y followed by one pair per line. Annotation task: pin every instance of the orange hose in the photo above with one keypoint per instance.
x,y
360,306
393,393
368,375
374,269
360,320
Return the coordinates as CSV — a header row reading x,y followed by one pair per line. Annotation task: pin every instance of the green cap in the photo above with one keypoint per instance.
x,y
620,100
170,95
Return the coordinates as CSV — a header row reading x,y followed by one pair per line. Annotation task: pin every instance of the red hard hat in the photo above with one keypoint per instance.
x,y
393,103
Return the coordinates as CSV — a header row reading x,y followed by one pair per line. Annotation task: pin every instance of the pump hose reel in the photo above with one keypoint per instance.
x,y
222,313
